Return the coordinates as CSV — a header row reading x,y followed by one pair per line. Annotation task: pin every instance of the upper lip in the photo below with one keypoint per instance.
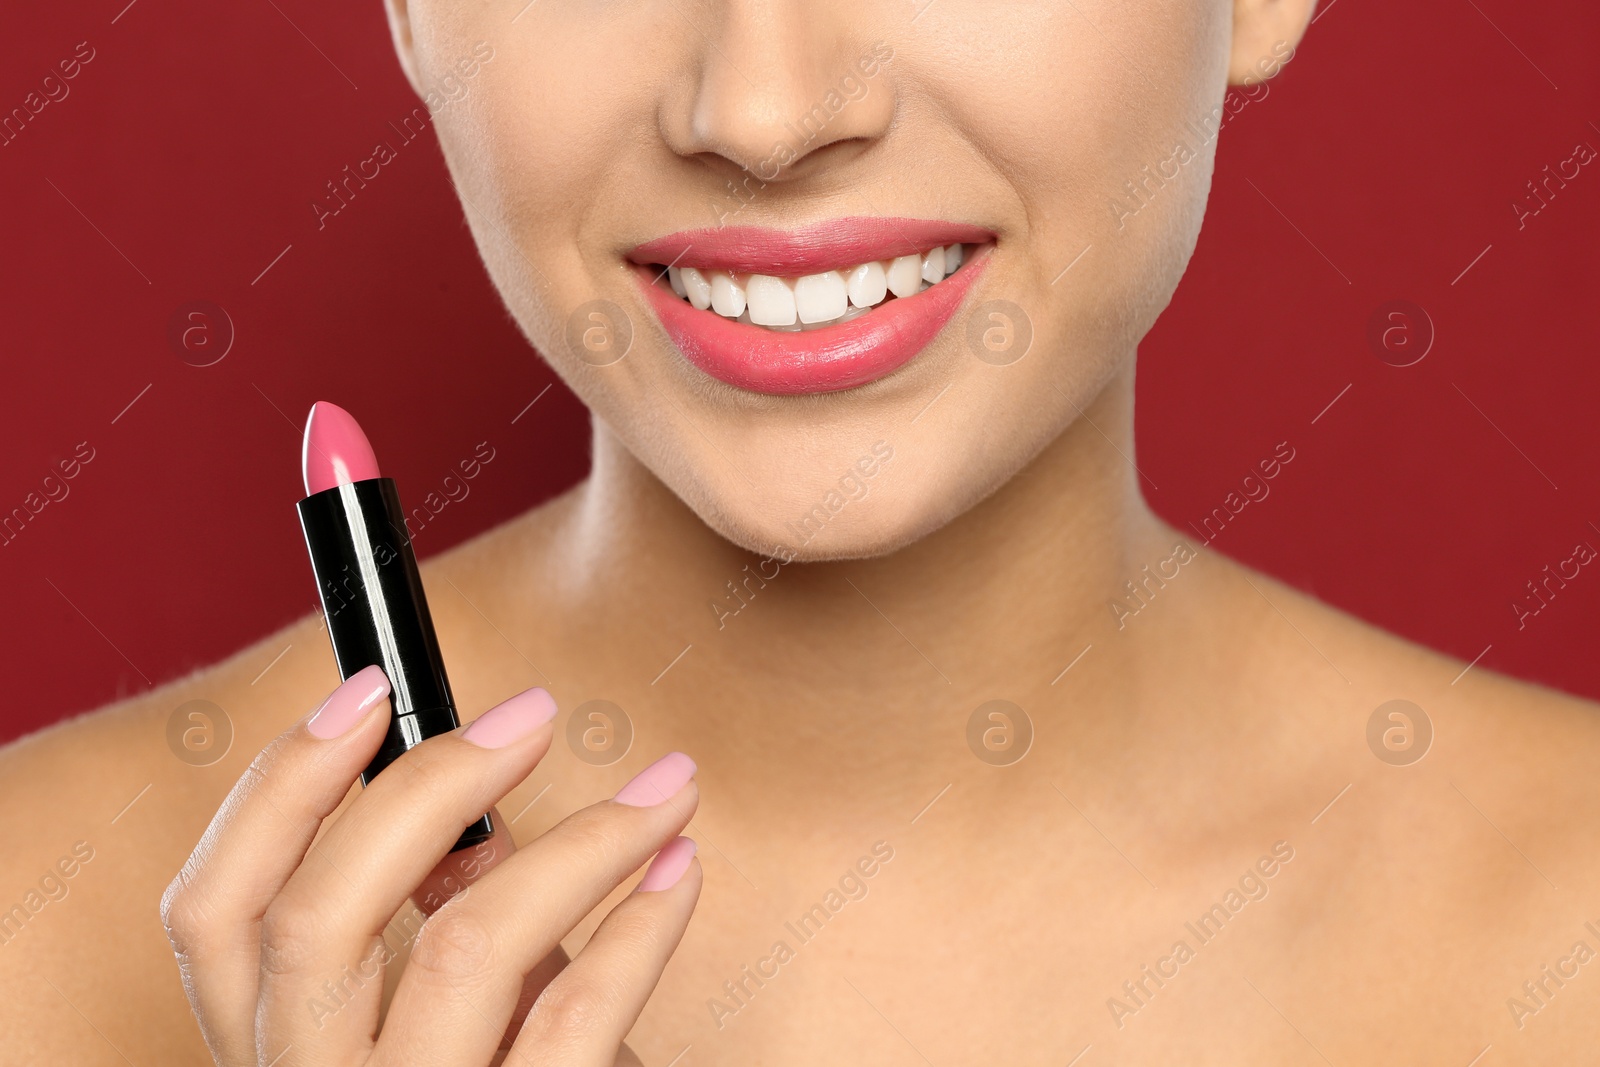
x,y
812,249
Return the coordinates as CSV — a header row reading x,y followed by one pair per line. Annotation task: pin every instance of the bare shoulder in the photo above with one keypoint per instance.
x,y
1426,796
1515,758
97,814
1477,714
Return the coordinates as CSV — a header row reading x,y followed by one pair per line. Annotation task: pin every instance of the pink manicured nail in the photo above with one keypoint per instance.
x,y
347,704
658,781
668,866
512,720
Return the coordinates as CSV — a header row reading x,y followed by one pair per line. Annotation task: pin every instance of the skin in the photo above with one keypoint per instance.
x,y
1229,715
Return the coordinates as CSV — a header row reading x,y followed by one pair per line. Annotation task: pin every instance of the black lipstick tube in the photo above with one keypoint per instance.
x,y
377,612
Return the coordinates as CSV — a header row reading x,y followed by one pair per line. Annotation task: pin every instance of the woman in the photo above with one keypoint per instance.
x,y
997,767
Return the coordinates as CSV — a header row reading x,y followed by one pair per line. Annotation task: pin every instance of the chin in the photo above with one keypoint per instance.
x,y
889,497
866,537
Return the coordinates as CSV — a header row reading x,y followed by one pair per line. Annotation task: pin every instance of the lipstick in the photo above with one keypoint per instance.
x,y
371,591
822,246
817,361
843,354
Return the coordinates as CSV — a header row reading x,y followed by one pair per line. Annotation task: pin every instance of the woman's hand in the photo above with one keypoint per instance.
x,y
279,933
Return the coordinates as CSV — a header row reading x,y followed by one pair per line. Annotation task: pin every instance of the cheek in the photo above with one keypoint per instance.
x,y
1117,164
1074,102
537,149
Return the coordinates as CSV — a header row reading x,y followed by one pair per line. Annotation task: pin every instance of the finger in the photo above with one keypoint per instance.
x,y
455,873
583,1015
458,870
213,908
457,1001
321,938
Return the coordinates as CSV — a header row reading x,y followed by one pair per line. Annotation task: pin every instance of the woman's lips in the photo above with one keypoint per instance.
x,y
823,357
811,361
810,250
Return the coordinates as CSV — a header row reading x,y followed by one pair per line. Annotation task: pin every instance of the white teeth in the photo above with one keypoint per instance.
x,y
727,295
905,276
820,297
771,301
868,285
698,288
854,313
816,300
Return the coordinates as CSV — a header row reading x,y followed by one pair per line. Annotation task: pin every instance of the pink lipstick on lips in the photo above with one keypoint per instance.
x,y
371,591
852,351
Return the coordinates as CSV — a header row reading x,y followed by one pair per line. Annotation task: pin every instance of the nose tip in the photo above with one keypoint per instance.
x,y
776,90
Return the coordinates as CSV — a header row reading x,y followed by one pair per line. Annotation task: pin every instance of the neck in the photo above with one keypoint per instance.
x,y
994,604
869,671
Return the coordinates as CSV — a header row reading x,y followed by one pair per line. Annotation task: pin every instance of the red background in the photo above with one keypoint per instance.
x,y
184,161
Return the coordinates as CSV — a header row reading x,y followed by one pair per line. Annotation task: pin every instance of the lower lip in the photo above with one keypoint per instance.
x,y
852,353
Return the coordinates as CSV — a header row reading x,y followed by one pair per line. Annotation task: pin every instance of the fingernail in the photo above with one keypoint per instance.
x,y
668,866
658,781
512,720
349,704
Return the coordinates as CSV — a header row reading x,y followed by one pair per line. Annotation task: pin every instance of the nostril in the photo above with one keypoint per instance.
x,y
791,105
